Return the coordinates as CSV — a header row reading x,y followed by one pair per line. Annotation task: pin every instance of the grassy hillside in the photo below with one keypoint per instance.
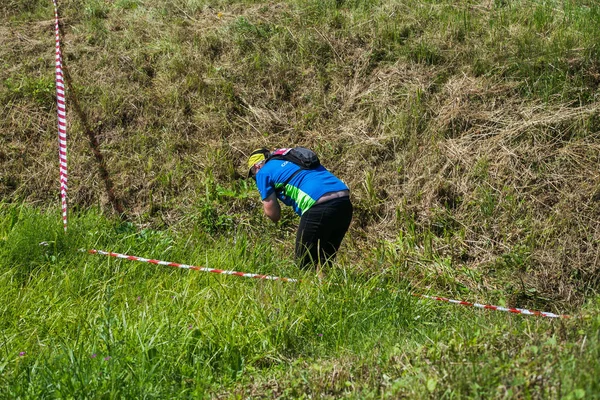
x,y
468,132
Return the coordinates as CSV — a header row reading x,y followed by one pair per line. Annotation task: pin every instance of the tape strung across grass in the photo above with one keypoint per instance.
x,y
185,266
277,278
497,308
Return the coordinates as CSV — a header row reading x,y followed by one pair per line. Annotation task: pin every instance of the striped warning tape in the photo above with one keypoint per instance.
x,y
277,278
497,308
62,119
184,266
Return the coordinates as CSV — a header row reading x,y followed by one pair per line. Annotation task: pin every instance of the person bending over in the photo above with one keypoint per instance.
x,y
320,199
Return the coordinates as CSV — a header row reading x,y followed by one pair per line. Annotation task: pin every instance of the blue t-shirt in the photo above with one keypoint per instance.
x,y
303,190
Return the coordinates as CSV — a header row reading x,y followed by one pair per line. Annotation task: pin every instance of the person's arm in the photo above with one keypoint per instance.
x,y
271,207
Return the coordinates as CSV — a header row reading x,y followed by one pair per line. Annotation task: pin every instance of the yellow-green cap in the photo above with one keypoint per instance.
x,y
257,156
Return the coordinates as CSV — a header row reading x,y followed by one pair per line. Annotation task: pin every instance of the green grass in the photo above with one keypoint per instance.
x,y
80,325
468,132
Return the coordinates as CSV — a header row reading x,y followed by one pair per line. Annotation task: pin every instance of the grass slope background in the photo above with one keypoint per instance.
x,y
469,135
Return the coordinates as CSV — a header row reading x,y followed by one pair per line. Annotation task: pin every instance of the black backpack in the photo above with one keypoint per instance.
x,y
301,156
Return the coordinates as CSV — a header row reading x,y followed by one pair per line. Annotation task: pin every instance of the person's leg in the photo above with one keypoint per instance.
x,y
340,216
308,239
321,231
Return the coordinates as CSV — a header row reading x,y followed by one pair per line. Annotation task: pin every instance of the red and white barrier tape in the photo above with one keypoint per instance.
x,y
497,308
184,266
62,120
276,278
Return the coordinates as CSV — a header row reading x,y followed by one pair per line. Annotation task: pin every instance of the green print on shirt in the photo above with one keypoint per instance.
x,y
303,200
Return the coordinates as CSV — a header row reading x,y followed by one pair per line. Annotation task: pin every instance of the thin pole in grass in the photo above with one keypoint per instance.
x,y
93,140
61,116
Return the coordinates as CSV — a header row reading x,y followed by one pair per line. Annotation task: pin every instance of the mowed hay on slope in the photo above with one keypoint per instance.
x,y
519,182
